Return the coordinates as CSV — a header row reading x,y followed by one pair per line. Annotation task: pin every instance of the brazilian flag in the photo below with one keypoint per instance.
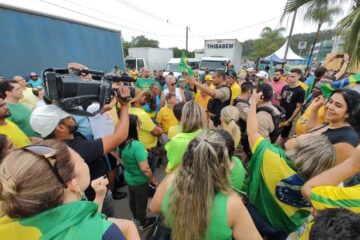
x,y
328,88
183,66
69,221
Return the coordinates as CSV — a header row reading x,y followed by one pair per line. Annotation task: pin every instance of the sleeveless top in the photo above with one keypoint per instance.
x,y
177,93
237,175
218,228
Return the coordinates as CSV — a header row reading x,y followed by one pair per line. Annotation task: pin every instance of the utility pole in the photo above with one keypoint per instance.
x,y
290,34
187,38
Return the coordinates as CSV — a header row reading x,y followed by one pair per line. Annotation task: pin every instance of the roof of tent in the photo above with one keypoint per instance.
x,y
279,54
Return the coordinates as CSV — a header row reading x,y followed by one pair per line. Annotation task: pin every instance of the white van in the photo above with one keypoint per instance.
x,y
173,66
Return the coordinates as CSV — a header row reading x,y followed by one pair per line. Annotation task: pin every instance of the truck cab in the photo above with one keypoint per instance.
x,y
173,66
134,62
213,63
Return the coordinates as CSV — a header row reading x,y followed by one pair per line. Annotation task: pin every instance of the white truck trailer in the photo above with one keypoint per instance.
x,y
221,49
150,58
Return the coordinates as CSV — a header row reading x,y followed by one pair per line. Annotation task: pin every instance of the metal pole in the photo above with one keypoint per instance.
x,y
290,34
187,30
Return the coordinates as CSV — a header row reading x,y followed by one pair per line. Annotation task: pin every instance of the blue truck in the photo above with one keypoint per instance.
x,y
32,41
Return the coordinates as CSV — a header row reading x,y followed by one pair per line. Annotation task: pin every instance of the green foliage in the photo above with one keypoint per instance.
x,y
349,28
177,53
270,40
139,41
250,50
309,38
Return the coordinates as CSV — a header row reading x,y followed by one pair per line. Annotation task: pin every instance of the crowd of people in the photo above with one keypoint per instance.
x,y
246,156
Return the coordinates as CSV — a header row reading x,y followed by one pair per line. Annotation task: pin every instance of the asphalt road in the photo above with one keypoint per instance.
x,y
122,209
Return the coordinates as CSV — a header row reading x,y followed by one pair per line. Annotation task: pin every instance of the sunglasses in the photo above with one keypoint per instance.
x,y
172,84
49,155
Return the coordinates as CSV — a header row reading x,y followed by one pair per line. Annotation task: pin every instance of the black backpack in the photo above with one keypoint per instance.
x,y
215,106
277,119
241,123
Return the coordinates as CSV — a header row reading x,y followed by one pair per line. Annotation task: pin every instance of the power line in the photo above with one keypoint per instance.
x,y
112,23
243,28
149,14
102,12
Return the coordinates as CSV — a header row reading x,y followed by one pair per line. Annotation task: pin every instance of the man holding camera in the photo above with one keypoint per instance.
x,y
54,123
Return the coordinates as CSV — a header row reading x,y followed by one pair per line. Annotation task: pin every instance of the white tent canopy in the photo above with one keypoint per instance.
x,y
281,52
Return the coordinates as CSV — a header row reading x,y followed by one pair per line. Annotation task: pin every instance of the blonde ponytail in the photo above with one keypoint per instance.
x,y
230,115
204,172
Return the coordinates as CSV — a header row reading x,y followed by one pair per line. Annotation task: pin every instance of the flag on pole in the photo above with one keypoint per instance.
x,y
328,88
271,70
183,66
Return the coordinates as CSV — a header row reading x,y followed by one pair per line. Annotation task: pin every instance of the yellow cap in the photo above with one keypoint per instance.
x,y
208,78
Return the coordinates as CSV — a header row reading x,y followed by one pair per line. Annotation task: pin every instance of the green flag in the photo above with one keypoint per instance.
x,y
183,66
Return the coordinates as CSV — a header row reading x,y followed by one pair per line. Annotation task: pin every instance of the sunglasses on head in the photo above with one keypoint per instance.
x,y
49,155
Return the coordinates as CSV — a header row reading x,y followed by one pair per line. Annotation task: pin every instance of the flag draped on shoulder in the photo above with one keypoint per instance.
x,y
328,88
183,66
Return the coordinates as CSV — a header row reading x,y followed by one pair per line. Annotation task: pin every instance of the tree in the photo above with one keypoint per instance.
x,y
270,40
348,27
320,15
142,41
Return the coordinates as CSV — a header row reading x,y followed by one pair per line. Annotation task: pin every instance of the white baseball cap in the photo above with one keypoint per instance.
x,y
44,119
262,74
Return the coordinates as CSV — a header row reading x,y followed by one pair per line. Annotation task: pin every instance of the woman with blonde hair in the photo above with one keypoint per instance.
x,y
197,201
40,191
230,115
193,120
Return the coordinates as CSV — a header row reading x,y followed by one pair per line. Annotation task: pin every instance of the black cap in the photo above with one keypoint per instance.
x,y
231,73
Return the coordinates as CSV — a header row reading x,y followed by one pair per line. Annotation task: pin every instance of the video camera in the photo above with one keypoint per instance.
x,y
69,90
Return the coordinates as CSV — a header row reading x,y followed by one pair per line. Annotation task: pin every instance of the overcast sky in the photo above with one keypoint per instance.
x,y
165,20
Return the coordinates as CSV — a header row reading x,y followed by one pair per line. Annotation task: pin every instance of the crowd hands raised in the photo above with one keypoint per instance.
x,y
232,171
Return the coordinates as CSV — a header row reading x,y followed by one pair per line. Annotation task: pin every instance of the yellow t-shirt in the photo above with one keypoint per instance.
x,y
166,118
301,122
323,197
29,98
14,133
173,131
134,74
235,92
146,126
203,101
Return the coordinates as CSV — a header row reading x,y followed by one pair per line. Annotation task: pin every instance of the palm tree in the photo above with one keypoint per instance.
x,y
349,26
321,14
275,34
271,40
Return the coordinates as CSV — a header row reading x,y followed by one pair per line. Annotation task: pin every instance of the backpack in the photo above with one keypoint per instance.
x,y
277,119
241,122
215,106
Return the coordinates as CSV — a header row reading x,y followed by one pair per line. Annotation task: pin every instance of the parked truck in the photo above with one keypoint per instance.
x,y
150,58
218,51
32,41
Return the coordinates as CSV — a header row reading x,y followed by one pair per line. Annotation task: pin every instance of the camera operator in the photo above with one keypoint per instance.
x,y
52,122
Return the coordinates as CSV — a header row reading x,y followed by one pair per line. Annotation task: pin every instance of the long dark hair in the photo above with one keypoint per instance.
x,y
133,133
352,99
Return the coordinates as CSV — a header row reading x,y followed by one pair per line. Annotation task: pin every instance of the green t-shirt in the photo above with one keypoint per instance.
x,y
176,148
20,115
237,175
144,84
133,154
